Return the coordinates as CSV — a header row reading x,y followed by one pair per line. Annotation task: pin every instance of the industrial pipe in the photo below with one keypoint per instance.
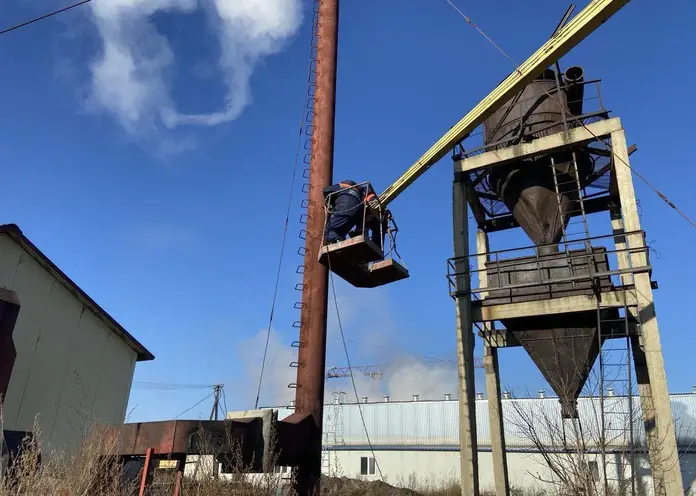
x,y
312,350
575,89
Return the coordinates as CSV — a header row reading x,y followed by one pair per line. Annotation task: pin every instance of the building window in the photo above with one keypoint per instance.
x,y
367,466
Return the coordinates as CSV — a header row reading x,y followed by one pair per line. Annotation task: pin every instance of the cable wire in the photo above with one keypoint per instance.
x,y
165,386
350,369
282,245
224,402
41,18
192,407
661,195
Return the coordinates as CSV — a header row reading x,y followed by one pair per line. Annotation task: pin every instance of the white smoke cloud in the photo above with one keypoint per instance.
x,y
129,78
401,379
277,372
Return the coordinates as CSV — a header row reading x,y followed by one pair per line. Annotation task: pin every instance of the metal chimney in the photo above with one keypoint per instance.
x,y
610,391
292,404
386,399
364,399
541,394
506,395
415,397
479,396
448,397
694,388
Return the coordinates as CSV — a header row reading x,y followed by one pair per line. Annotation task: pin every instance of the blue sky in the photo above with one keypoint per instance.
x,y
175,226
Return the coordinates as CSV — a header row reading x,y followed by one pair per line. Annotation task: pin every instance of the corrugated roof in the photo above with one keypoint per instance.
x,y
14,232
431,424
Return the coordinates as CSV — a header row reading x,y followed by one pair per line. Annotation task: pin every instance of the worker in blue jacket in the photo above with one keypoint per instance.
x,y
346,201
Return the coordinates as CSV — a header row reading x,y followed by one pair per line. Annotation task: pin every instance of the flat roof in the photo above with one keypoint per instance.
x,y
14,232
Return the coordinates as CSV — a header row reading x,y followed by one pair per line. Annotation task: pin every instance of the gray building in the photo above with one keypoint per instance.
x,y
417,442
74,363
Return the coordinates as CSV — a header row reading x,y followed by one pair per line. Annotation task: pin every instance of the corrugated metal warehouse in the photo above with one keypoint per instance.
x,y
74,361
422,437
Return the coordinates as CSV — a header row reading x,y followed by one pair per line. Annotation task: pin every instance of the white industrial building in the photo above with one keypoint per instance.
x,y
417,442
74,363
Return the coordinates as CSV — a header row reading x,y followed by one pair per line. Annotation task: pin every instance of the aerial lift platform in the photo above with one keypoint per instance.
x,y
363,259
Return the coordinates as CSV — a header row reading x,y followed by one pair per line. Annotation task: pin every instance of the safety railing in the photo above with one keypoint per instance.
x,y
573,263
374,217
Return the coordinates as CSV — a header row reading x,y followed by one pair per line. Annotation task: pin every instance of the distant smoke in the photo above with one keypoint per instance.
x,y
401,379
130,78
277,375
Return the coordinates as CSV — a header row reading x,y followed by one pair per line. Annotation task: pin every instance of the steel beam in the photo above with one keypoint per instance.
x,y
309,396
590,18
565,304
540,146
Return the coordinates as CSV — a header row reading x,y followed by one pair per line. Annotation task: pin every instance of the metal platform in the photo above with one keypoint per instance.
x,y
354,251
385,272
361,263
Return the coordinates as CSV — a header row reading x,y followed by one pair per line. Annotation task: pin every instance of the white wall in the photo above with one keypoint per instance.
x,y
70,366
435,468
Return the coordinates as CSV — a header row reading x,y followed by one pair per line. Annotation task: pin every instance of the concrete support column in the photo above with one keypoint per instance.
x,y
639,363
465,344
495,417
490,364
667,474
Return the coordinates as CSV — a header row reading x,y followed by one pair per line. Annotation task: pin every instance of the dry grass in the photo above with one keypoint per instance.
x,y
87,474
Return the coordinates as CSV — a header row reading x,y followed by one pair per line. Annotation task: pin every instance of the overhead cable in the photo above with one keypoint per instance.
x,y
45,16
350,369
282,244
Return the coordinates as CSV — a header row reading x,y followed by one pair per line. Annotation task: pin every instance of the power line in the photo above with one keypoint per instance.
x,y
165,386
662,196
193,406
352,377
224,401
285,233
45,16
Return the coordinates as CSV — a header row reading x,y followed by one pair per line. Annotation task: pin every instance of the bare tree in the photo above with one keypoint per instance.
x,y
601,452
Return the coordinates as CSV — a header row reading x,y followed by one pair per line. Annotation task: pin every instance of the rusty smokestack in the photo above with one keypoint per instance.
x,y
312,351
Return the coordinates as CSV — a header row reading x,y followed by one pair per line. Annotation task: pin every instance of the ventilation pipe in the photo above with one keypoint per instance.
x,y
448,397
479,396
541,394
386,399
364,399
415,397
575,89
506,395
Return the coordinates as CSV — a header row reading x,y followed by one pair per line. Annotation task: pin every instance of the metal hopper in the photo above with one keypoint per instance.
x,y
564,347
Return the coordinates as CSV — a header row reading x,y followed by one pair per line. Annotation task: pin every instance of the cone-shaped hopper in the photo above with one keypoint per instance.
x,y
564,355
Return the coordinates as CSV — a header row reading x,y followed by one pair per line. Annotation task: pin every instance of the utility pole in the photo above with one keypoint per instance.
x,y
217,390
309,394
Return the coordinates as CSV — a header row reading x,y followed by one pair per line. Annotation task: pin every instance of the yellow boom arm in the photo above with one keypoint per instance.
x,y
570,35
